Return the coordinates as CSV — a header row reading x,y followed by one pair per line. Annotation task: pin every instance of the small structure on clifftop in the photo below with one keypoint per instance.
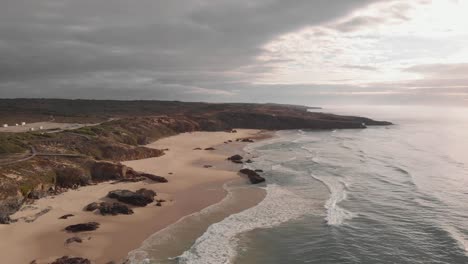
x,y
23,123
5,125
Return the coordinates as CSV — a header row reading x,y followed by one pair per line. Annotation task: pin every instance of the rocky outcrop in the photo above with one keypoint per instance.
x,y
253,176
135,174
141,197
71,260
69,177
8,207
105,171
90,226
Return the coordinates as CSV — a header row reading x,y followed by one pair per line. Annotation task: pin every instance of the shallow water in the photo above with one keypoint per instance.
x,y
392,194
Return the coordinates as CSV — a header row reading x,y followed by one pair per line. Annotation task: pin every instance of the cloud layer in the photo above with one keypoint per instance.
x,y
203,50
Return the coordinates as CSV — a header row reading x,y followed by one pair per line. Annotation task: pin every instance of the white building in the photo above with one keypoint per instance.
x,y
41,127
23,123
5,125
16,125
31,129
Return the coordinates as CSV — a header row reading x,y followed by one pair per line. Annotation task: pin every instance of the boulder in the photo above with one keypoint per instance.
x,y
105,171
210,148
114,209
150,194
258,170
66,216
253,176
246,140
71,260
207,166
248,161
70,176
73,240
197,149
91,207
129,197
90,226
235,158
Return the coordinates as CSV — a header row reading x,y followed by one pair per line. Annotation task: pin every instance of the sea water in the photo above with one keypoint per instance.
x,y
391,194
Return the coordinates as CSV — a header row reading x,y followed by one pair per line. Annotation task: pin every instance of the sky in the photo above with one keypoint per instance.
x,y
311,52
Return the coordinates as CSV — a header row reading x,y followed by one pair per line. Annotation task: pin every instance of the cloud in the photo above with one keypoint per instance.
x,y
66,44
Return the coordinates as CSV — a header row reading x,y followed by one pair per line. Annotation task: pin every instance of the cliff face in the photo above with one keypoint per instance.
x,y
37,162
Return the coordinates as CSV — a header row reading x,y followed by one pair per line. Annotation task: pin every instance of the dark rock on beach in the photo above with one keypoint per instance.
x,y
66,216
150,194
106,208
235,158
258,170
253,176
71,260
210,148
114,209
91,207
140,198
90,226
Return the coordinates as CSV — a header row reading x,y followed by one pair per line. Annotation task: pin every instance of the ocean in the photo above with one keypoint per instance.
x,y
392,194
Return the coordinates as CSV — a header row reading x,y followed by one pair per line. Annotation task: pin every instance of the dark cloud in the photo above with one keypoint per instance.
x,y
145,48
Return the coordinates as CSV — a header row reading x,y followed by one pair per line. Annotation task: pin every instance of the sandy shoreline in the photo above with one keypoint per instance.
x,y
191,188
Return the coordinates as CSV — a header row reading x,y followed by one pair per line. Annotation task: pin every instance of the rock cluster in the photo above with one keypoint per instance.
x,y
71,260
253,176
141,197
106,208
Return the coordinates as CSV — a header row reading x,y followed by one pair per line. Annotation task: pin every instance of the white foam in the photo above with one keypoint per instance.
x,y
218,244
336,215
141,256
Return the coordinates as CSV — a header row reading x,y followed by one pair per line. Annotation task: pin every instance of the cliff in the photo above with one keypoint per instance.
x,y
36,163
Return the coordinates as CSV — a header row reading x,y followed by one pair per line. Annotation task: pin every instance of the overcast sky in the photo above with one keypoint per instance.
x,y
293,51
